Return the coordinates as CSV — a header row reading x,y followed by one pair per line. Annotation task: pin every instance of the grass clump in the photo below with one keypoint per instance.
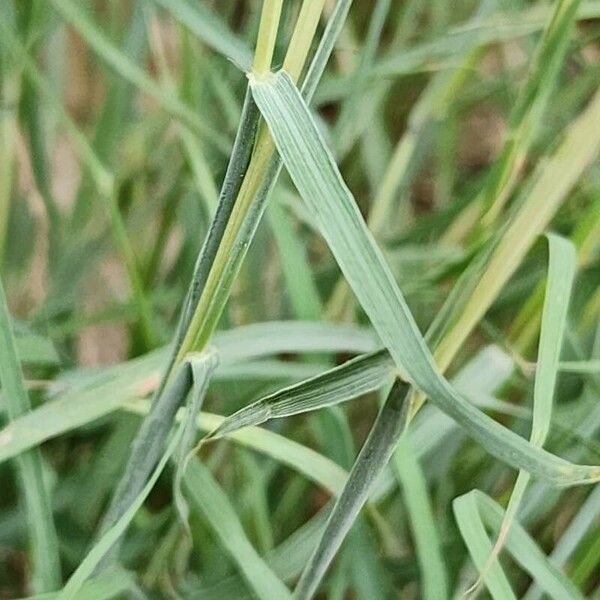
x,y
283,320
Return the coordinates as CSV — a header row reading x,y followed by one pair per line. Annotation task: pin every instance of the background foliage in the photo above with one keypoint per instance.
x,y
327,217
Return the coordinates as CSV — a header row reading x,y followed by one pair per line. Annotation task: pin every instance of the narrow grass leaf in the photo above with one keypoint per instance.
x,y
202,367
434,580
206,495
35,497
111,536
92,396
534,209
354,378
383,438
112,584
561,272
149,442
316,176
579,366
474,512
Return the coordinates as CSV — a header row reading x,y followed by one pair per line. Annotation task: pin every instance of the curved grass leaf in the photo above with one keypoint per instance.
x,y
561,272
477,381
577,529
316,176
474,512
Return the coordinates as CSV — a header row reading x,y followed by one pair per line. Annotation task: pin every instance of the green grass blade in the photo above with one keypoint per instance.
x,y
534,209
474,512
561,272
579,366
35,497
261,176
577,529
108,585
111,536
368,373
354,378
236,167
206,496
315,174
97,395
376,452
434,580
202,367
149,443
530,107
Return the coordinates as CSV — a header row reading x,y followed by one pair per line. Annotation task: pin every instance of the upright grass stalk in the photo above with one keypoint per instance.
x,y
267,35
197,321
384,435
227,259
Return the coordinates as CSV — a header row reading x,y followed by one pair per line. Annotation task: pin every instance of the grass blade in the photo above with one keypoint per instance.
x,y
354,378
315,174
206,495
376,452
474,511
561,272
35,497
434,581
149,443
112,535
202,368
97,395
577,529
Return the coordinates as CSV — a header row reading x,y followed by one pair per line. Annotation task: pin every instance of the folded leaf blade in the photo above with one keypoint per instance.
x,y
315,174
